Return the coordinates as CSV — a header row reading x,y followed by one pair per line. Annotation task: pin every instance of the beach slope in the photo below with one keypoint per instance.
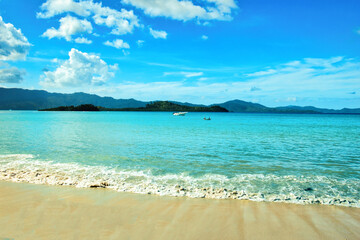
x,y
29,211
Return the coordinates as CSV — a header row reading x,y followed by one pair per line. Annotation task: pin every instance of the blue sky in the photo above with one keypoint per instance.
x,y
275,53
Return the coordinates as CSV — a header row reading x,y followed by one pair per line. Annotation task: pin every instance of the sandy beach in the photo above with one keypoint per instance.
x,y
29,211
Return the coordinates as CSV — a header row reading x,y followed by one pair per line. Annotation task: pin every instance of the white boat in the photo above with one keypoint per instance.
x,y
180,113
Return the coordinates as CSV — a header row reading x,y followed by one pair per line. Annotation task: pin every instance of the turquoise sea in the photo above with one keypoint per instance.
x,y
296,158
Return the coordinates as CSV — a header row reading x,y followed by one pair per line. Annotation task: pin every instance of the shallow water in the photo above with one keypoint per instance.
x,y
262,157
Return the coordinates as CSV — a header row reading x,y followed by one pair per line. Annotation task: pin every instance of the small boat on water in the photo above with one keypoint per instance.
x,y
207,118
180,113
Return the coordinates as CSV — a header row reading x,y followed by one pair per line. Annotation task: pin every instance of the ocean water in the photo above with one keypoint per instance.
x,y
305,159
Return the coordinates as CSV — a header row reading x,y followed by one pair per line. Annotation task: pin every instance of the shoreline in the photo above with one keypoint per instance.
x,y
39,177
31,211
266,113
23,168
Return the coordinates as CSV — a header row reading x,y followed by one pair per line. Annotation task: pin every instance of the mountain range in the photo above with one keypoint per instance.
x,y
24,99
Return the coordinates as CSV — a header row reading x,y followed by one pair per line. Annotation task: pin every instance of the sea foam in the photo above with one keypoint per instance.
x,y
255,187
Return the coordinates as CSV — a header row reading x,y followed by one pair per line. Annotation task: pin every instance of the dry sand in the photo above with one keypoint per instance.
x,y
30,211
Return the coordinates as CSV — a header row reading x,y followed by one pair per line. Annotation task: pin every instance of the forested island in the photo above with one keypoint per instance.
x,y
80,108
159,106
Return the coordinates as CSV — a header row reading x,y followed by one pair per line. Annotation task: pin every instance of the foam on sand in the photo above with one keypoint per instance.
x,y
255,187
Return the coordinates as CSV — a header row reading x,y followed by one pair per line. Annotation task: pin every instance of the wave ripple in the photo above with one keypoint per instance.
x,y
255,187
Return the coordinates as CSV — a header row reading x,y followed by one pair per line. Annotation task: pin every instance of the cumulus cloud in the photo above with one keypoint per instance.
x,y
83,40
158,34
124,21
79,70
52,8
117,43
114,67
186,10
13,44
69,26
11,75
121,22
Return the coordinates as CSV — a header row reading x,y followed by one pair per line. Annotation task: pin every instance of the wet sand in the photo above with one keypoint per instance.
x,y
29,211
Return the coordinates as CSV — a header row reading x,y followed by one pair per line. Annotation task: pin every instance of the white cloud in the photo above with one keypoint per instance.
x,y
69,26
310,77
117,43
52,8
121,22
194,74
309,81
185,74
114,67
291,99
83,40
293,63
140,43
80,69
186,10
204,37
124,21
176,91
262,73
158,34
13,44
11,75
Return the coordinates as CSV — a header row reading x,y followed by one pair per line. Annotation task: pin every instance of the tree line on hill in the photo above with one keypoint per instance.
x,y
158,106
23,99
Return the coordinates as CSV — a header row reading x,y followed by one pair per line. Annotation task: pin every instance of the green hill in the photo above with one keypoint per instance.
x,y
83,107
23,99
159,106
166,106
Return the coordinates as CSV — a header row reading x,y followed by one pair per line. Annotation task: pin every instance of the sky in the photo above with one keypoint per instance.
x,y
276,53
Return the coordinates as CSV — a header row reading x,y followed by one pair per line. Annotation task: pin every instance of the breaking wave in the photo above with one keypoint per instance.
x,y
255,187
